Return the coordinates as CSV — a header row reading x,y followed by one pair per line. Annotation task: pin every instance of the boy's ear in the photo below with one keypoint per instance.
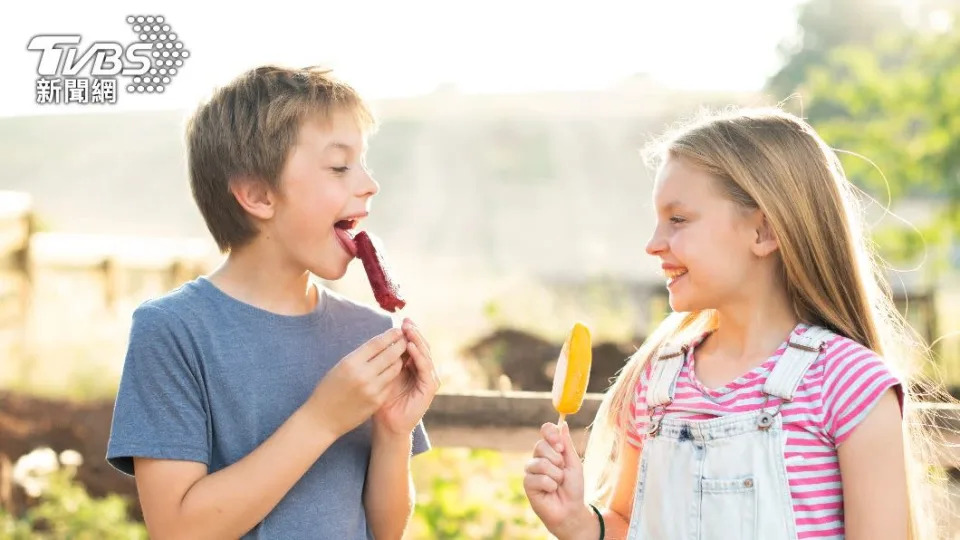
x,y
254,196
766,240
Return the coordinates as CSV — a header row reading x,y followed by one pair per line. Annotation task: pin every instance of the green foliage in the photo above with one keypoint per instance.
x,y
66,511
823,26
878,80
464,494
895,102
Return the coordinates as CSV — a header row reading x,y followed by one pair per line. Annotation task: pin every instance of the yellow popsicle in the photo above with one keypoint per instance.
x,y
573,371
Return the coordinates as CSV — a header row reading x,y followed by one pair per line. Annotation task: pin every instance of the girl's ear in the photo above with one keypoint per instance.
x,y
766,240
254,196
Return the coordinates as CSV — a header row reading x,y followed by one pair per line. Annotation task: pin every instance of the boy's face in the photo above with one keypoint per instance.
x,y
324,181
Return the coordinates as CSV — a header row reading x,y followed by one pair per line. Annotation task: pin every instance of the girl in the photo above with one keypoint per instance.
x,y
767,406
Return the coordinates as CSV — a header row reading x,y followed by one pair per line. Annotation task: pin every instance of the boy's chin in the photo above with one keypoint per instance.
x,y
330,272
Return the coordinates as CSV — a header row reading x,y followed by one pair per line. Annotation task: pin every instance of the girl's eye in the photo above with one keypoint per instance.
x,y
677,219
340,170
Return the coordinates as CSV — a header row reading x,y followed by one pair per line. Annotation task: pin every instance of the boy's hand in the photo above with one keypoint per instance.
x,y
413,391
359,384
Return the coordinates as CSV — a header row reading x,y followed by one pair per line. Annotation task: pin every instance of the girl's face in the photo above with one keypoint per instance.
x,y
708,245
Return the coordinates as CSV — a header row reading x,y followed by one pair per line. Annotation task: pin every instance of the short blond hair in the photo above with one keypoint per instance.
x,y
248,128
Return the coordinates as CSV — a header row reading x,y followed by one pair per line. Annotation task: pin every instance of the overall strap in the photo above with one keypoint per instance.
x,y
666,370
802,351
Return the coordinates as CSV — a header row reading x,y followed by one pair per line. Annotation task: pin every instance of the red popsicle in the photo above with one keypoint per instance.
x,y
385,289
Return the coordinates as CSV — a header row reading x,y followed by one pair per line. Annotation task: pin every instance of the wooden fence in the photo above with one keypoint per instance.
x,y
502,421
60,292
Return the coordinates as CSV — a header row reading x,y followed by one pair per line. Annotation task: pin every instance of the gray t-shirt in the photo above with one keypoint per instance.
x,y
208,378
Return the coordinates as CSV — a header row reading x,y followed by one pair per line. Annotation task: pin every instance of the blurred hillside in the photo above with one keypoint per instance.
x,y
547,184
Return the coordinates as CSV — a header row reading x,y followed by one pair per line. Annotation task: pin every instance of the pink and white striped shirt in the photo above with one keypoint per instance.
x,y
834,396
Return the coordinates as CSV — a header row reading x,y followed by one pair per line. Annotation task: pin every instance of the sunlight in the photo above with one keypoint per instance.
x,y
416,48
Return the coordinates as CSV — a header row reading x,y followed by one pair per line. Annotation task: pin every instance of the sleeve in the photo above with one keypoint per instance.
x,y
854,381
160,410
421,441
639,417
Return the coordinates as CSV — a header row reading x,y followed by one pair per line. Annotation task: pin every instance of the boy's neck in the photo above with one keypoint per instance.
x,y
262,282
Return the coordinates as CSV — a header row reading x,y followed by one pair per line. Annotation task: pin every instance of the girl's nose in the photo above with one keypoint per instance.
x,y
656,244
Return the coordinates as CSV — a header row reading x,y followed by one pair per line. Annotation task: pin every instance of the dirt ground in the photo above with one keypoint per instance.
x,y
27,423
529,360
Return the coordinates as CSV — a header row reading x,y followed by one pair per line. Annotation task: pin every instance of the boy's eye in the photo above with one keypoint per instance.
x,y
677,219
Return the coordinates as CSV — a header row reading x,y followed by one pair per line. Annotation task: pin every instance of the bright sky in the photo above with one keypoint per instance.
x,y
403,48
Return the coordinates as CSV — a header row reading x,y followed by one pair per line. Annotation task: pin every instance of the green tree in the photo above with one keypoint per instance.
x,y
822,27
896,102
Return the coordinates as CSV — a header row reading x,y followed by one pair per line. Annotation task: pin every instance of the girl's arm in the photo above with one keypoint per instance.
x,y
617,517
873,473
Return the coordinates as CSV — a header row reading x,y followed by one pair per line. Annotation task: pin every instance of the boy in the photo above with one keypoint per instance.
x,y
252,402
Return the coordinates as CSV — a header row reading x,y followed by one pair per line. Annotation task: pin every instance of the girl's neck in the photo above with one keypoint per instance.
x,y
751,330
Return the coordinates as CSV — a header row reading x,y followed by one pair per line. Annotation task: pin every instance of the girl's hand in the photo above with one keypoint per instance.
x,y
554,484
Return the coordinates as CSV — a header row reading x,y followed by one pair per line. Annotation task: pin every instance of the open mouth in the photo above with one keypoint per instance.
x,y
344,231
674,274
346,224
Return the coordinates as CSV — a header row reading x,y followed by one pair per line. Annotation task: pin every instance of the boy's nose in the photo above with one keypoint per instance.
x,y
368,186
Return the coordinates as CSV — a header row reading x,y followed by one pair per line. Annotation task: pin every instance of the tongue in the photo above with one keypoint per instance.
x,y
346,240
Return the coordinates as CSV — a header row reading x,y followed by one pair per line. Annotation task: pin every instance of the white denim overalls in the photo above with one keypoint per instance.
x,y
723,478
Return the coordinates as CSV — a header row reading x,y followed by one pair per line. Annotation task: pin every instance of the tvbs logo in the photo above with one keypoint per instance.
x,y
59,56
73,73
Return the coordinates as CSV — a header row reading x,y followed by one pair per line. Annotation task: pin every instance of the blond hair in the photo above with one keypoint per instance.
x,y
248,128
770,160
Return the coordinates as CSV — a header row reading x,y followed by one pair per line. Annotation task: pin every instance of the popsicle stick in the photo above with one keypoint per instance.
x,y
562,418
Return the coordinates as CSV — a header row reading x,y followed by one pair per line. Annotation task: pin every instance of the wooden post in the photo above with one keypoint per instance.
x,y
7,503
110,275
21,257
175,274
181,271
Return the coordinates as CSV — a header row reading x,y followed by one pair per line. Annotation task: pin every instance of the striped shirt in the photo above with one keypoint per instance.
x,y
836,393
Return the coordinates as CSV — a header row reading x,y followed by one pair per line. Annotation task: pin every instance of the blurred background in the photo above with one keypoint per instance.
x,y
514,199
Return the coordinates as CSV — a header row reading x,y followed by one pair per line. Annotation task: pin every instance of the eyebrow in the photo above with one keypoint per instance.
x,y
671,205
339,146
350,150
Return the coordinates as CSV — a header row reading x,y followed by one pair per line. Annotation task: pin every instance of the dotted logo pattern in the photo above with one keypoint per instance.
x,y
167,53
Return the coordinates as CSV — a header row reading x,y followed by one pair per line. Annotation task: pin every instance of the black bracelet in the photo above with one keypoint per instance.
x,y
600,517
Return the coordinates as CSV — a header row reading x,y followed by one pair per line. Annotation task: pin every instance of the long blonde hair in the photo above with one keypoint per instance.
x,y
775,162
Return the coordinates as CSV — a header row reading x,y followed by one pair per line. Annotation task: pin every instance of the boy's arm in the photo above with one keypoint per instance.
x,y
389,496
179,498
389,493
